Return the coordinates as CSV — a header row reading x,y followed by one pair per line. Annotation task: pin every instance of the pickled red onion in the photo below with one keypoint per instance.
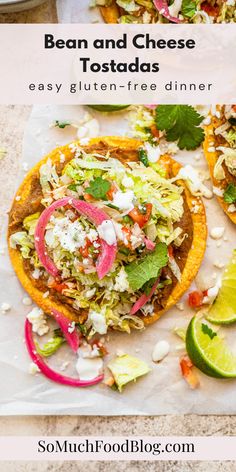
x,y
150,245
95,215
46,370
65,324
143,299
162,7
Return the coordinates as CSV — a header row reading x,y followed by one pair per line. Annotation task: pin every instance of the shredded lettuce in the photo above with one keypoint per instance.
x,y
231,138
24,241
128,5
126,369
50,347
30,223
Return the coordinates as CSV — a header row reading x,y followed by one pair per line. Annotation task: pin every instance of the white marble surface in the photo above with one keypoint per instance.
x,y
12,123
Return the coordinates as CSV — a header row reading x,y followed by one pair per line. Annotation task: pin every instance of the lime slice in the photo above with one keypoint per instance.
x,y
108,108
223,310
208,351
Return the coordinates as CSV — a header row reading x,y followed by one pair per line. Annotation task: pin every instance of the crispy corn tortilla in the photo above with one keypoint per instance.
x,y
110,14
124,149
212,158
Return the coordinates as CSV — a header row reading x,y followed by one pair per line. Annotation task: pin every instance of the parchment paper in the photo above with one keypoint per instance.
x,y
163,391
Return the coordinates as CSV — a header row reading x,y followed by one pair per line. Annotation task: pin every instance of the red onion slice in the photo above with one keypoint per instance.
x,y
47,371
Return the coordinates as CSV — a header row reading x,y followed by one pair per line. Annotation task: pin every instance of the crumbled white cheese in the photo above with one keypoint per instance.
x,y
211,149
161,350
88,369
88,129
231,208
107,232
97,321
124,200
92,235
147,17
217,232
86,261
27,301
180,306
45,295
230,3
25,166
84,141
86,351
207,121
153,152
90,293
62,158
172,148
70,234
195,208
5,307
190,175
64,365
219,192
135,240
18,198
147,309
36,273
127,182
33,369
39,323
121,281
71,327
219,264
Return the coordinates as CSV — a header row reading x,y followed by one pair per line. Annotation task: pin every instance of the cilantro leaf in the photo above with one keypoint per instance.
x,y
62,124
82,328
73,187
207,330
189,8
230,194
140,272
50,347
98,188
142,155
181,123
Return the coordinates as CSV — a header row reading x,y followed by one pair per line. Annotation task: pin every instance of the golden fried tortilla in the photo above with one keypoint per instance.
x,y
110,14
211,140
189,255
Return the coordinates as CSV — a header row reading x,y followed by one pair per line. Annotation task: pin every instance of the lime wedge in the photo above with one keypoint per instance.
x,y
108,108
208,351
223,310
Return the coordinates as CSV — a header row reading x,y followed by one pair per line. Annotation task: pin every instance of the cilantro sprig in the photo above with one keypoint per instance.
x,y
189,8
230,194
61,124
98,188
207,330
181,123
140,272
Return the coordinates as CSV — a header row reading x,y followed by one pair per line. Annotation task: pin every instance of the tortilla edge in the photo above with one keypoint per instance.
x,y
211,158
